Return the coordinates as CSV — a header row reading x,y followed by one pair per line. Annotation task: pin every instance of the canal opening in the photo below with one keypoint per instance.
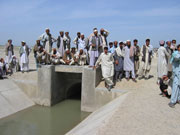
x,y
74,92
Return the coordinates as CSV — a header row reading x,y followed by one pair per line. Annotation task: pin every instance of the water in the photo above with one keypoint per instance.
x,y
38,120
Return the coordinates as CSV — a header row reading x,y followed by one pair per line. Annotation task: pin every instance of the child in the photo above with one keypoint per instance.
x,y
164,81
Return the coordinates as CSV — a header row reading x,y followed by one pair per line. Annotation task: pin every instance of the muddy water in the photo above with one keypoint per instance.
x,y
38,120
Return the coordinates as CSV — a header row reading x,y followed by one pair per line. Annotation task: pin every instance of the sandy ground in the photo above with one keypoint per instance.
x,y
144,112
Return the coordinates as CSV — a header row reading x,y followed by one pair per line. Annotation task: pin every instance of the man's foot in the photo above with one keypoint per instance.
x,y
134,80
172,105
140,78
178,101
127,79
109,88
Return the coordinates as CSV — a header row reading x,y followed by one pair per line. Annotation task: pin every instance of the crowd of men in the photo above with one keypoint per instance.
x,y
169,70
117,59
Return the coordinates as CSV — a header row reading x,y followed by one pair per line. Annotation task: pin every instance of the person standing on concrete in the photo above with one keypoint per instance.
x,y
68,40
146,54
61,43
9,51
95,43
119,62
136,56
107,66
24,54
47,40
129,61
175,60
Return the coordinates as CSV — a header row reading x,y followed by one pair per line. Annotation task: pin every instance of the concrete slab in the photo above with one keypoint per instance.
x,y
92,123
68,69
12,99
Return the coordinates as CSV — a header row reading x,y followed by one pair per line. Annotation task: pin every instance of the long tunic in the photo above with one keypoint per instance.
x,y
24,60
119,56
162,62
176,77
9,53
146,65
128,61
107,64
47,41
168,58
61,47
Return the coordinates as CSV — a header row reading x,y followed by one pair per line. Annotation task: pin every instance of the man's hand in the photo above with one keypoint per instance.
x,y
116,62
93,45
94,67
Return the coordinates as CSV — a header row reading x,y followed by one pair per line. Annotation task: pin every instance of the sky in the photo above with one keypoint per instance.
x,y
124,19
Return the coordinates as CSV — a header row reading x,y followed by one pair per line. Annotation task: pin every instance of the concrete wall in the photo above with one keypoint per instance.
x,y
53,86
55,81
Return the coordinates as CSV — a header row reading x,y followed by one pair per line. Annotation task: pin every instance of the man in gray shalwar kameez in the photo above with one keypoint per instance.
x,y
47,40
119,62
9,51
95,44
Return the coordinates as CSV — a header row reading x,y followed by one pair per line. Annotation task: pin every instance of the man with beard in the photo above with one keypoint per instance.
x,y
129,61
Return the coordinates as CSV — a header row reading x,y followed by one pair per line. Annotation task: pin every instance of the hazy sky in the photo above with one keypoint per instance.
x,y
128,19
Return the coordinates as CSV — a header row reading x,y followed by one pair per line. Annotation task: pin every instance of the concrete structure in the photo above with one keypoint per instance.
x,y
12,99
54,83
57,83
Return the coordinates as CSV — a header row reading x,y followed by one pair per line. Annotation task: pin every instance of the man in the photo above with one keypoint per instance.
x,y
162,62
174,45
82,43
111,48
68,40
41,56
136,56
3,68
175,60
24,54
36,48
55,57
129,61
107,66
81,57
119,62
61,43
104,34
146,54
115,44
47,40
95,43
77,39
9,51
68,58
169,49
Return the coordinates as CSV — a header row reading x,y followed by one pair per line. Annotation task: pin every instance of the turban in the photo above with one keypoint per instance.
x,y
161,42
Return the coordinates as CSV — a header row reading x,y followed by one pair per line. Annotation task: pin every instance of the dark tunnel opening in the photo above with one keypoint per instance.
x,y
74,92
